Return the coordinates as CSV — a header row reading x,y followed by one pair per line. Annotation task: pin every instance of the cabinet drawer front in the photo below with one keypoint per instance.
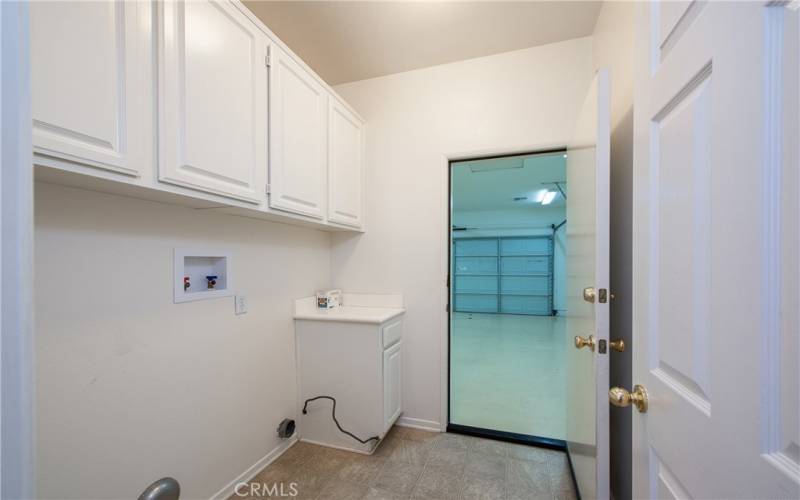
x,y
88,98
392,333
212,106
298,107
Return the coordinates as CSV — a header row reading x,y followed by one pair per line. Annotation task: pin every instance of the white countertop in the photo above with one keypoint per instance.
x,y
378,311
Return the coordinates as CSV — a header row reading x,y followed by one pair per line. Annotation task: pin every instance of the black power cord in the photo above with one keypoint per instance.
x,y
333,414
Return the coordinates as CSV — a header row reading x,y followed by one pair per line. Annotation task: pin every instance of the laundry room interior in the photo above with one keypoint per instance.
x,y
382,250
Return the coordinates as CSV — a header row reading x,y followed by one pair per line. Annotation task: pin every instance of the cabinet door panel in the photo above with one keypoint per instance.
x,y
298,136
87,104
392,384
212,100
345,164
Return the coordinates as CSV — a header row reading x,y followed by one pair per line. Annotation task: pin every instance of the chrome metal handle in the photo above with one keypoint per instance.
x,y
165,488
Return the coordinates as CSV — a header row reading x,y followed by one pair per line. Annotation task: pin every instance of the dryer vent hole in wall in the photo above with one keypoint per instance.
x,y
286,428
335,421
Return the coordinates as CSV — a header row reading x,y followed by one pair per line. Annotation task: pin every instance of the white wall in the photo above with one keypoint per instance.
x,y
532,221
613,48
508,102
132,387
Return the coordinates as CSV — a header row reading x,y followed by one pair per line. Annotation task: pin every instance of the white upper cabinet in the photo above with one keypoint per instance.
x,y
299,109
89,95
193,99
212,99
345,166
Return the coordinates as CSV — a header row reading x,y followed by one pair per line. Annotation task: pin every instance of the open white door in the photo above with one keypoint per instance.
x,y
715,250
588,159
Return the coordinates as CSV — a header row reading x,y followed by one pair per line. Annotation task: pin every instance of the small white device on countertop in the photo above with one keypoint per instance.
x,y
329,299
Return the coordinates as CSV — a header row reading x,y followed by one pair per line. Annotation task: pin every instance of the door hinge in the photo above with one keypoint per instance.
x,y
447,308
268,189
448,281
268,59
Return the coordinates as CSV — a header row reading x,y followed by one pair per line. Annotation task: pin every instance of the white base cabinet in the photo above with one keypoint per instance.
x,y
392,384
358,360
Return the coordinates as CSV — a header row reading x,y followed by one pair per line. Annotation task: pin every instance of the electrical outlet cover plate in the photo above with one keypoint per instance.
x,y
241,304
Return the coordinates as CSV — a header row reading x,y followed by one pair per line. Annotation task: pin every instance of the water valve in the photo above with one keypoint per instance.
x,y
212,281
186,283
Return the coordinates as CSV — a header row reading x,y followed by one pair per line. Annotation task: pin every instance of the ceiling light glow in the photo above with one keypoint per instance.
x,y
538,196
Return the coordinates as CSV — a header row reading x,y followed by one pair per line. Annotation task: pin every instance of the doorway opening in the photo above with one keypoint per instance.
x,y
507,324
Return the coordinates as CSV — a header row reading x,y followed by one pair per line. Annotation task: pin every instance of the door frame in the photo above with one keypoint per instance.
x,y
446,298
16,258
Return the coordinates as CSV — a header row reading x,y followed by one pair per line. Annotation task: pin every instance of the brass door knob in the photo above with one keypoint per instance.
x,y
589,294
581,342
618,345
618,396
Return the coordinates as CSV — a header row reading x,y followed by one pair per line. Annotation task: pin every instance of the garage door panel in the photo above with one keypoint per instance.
x,y
525,265
512,275
476,265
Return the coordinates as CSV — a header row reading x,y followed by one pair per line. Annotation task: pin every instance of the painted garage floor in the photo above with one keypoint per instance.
x,y
508,373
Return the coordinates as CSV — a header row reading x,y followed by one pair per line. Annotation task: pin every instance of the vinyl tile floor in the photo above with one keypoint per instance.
x,y
508,373
413,464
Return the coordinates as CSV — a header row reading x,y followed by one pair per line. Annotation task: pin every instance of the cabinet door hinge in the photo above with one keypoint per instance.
x,y
268,57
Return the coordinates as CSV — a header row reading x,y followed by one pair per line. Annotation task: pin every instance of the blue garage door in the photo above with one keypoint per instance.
x,y
511,275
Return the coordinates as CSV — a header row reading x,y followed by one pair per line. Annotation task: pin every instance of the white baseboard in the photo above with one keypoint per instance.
x,y
336,447
418,423
250,473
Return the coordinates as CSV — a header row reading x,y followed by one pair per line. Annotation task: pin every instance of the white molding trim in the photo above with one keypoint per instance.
x,y
421,424
343,448
17,410
229,489
444,297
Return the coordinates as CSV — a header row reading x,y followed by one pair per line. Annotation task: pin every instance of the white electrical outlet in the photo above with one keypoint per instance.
x,y
241,304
